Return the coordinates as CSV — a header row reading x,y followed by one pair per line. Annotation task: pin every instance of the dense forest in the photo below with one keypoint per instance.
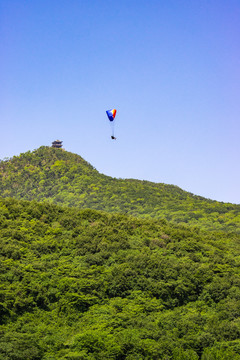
x,y
95,268
86,284
60,177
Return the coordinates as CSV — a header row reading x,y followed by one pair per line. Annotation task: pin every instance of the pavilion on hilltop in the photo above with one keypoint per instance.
x,y
57,144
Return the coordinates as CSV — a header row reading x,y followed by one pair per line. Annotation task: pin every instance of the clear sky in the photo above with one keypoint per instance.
x,y
171,68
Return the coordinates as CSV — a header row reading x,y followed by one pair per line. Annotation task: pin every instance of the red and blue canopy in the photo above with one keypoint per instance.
x,y
111,114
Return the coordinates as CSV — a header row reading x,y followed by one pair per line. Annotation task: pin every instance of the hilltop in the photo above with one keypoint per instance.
x,y
85,284
115,272
61,177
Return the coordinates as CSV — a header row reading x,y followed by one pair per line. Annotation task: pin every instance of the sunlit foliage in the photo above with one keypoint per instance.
x,y
86,284
57,176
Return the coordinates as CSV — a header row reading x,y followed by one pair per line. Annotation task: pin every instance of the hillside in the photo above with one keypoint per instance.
x,y
84,284
64,178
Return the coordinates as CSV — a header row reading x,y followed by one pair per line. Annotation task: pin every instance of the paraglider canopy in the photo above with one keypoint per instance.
x,y
111,114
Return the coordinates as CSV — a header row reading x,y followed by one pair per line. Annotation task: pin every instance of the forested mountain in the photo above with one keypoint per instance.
x,y
64,178
86,284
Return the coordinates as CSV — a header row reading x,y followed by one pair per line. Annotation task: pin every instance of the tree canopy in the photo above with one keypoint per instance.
x,y
87,284
60,177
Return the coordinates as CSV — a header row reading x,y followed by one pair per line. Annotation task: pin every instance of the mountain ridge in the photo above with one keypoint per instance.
x,y
64,178
78,282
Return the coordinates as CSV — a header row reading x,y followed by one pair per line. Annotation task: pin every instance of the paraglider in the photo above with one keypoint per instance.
x,y
111,116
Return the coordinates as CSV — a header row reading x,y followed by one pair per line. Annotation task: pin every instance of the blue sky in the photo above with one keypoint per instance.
x,y
170,68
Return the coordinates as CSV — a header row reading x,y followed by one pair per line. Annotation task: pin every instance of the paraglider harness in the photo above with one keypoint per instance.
x,y
113,137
